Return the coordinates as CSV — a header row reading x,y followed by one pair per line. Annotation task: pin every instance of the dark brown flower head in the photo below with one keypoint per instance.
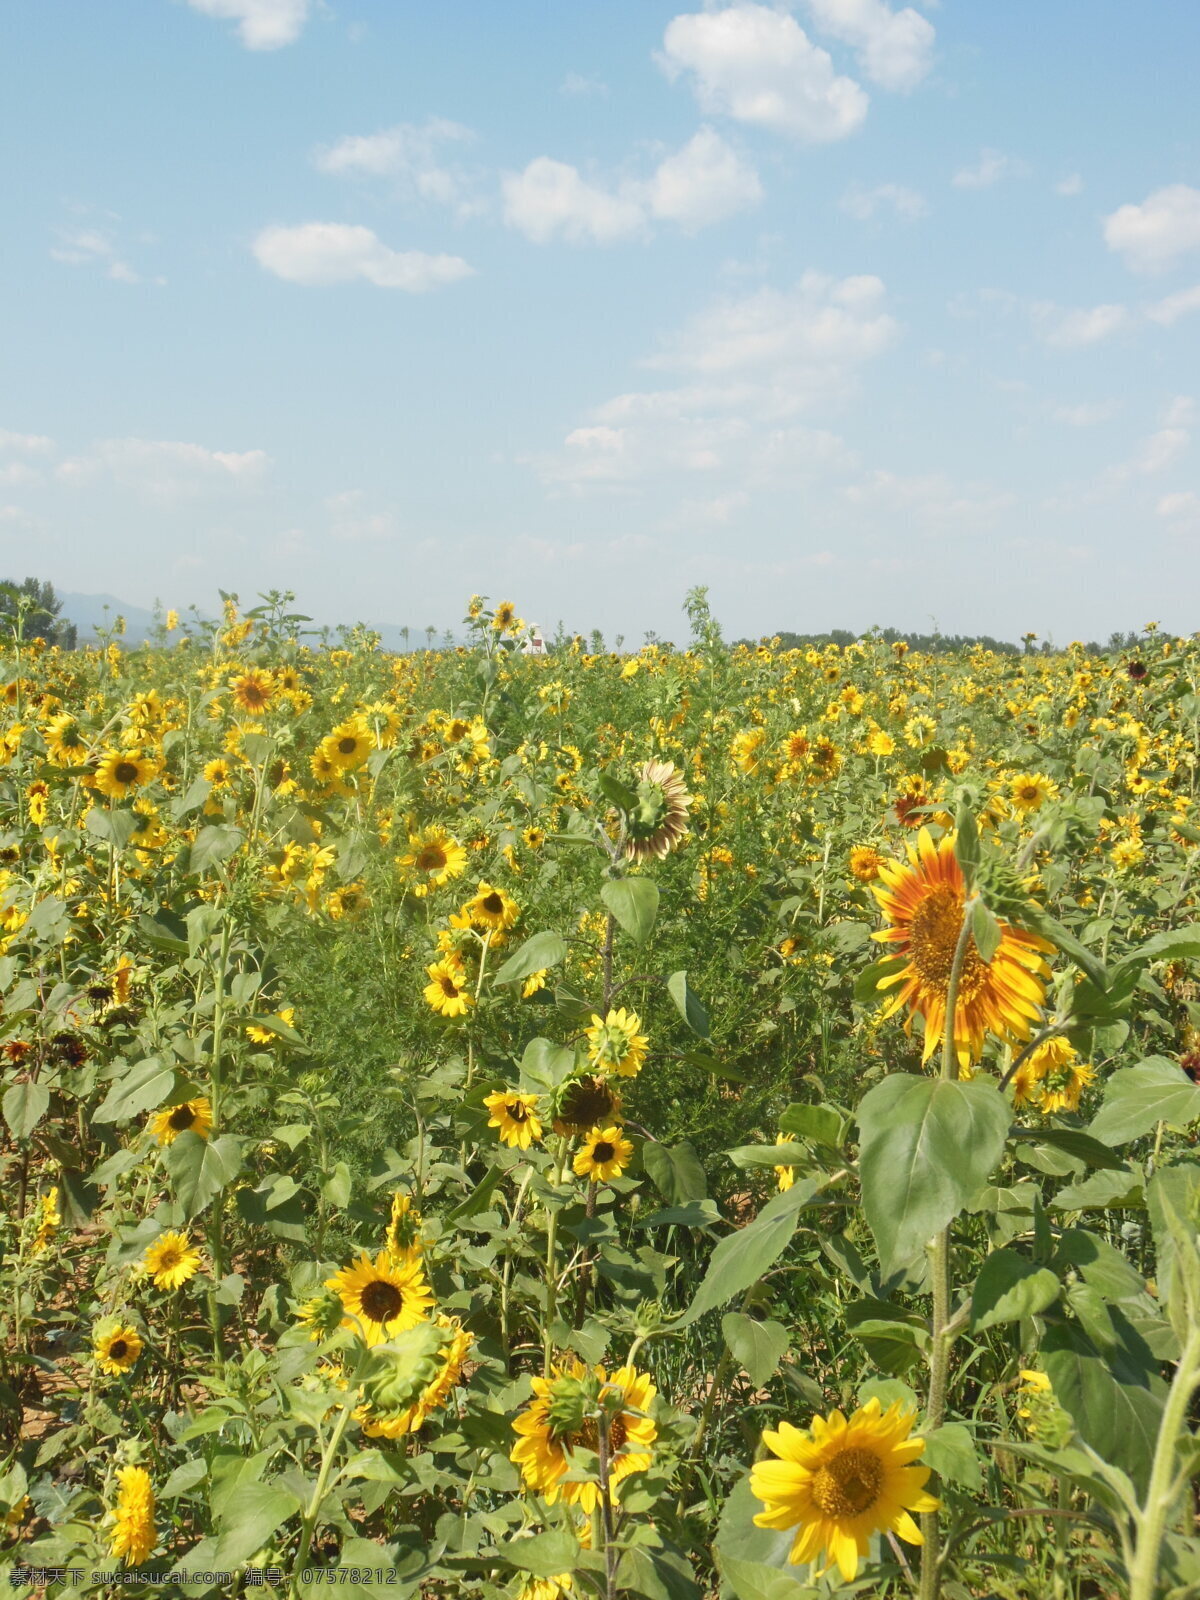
x,y
16,1050
69,1049
587,1102
1138,670
99,993
909,809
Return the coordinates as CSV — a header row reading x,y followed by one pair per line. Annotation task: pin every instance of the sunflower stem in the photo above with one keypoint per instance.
x,y
308,1523
552,1264
1165,1487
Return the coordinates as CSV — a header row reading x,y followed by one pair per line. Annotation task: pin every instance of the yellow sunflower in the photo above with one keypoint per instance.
x,y
785,1177
447,992
1052,1077
254,690
65,741
134,1534
433,858
1029,791
492,908
122,771
432,1398
349,745
923,901
382,1297
842,1481
605,1154
116,1346
544,1446
515,1115
171,1260
617,1044
864,863
193,1116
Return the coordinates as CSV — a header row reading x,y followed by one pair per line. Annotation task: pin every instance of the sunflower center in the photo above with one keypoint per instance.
x,y
347,746
118,1350
181,1118
517,1112
848,1484
589,1435
449,988
431,859
381,1301
603,1151
936,925
493,905
170,1257
125,772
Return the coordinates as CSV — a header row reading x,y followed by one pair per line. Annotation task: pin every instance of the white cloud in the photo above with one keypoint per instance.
x,y
577,86
1157,451
864,203
703,183
1086,415
261,24
1182,508
1072,329
991,167
17,472
26,444
322,253
1152,236
931,499
759,66
165,469
411,153
894,48
90,247
1070,185
354,521
1174,306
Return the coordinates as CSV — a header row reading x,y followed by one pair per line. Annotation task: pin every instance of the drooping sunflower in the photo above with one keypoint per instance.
x,y
447,990
116,1345
515,1115
842,1481
617,1044
492,908
433,858
605,1154
193,1116
254,689
122,771
544,1446
432,1398
864,863
586,1102
660,818
171,1260
382,1297
923,901
134,1534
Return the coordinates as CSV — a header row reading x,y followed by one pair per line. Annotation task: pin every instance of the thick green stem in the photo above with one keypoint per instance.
x,y
551,1305
1164,1486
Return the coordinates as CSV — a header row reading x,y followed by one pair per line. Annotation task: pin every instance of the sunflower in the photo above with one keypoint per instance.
x,y
254,690
617,1044
219,772
116,1346
348,901
134,1534
1052,1077
659,820
384,1297
864,863
881,744
492,908
785,1177
544,1446
515,1115
446,992
192,1116
433,859
923,901
349,745
586,1102
1029,791
122,771
49,1220
605,1154
842,1481
38,796
535,838
65,741
432,1398
171,1260
505,617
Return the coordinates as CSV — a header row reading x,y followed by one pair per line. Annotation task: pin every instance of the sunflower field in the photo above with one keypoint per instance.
x,y
702,1122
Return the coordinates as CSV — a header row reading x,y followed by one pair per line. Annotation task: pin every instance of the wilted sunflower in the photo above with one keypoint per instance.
x,y
122,771
515,1115
193,1116
923,900
254,690
134,1534
116,1346
544,1447
171,1260
584,1103
382,1297
605,1154
841,1482
659,820
433,858
432,1398
617,1044
492,908
446,990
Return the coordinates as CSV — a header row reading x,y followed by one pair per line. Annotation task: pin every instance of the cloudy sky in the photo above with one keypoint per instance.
x,y
857,314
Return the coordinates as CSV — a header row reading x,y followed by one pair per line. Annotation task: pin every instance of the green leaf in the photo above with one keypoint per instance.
x,y
1081,1146
769,1155
25,1104
985,930
141,1088
757,1346
676,1171
1137,1098
1180,944
1116,1403
821,1124
543,1555
1102,1189
687,1005
1010,1287
337,1186
212,846
950,1451
1100,1264
1085,959
742,1257
754,1580
928,1146
115,827
544,950
634,903
253,1516
624,798
201,1168
545,1065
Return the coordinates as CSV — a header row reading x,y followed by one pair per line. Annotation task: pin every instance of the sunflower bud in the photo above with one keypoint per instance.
x,y
323,1314
648,1318
999,886
569,1405
401,1369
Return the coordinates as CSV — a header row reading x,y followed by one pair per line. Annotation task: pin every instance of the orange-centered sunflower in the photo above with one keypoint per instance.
x,y
923,901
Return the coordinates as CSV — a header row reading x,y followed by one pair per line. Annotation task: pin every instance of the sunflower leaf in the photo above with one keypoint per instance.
x,y
634,903
1137,1098
544,950
199,1170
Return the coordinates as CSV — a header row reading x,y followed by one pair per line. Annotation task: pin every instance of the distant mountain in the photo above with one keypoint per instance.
x,y
91,611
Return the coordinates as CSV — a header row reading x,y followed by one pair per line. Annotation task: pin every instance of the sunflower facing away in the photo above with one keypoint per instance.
x,y
432,1398
617,1044
543,1448
660,818
433,858
382,1297
515,1115
605,1154
586,1102
134,1534
841,1482
193,1116
171,1260
923,901
116,1346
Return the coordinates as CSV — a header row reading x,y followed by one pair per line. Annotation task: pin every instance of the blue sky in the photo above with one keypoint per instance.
x,y
856,313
